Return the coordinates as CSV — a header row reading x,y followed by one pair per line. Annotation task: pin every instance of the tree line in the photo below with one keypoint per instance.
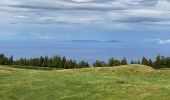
x,y
61,62
55,62
159,62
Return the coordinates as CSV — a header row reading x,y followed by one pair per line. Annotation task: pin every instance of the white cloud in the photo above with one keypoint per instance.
x,y
132,13
82,0
163,5
161,41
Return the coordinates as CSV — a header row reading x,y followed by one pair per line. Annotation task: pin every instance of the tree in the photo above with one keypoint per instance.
x,y
83,64
114,62
70,64
157,63
168,62
144,61
62,63
56,61
2,59
138,62
124,61
163,62
132,62
99,64
150,63
10,62
111,62
40,62
45,62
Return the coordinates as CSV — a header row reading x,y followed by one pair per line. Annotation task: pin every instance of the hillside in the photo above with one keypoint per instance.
x,y
129,82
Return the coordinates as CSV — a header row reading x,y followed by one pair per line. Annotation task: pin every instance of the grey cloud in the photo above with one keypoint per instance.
x,y
100,5
138,20
64,8
108,12
147,2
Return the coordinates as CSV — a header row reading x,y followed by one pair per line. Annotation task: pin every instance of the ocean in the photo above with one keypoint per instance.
x,y
88,51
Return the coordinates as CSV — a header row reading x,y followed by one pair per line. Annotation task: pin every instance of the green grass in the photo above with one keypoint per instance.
x,y
130,82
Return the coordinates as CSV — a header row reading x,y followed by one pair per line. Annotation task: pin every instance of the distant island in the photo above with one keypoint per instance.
x,y
96,41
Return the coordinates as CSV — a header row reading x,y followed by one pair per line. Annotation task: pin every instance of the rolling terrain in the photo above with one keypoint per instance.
x,y
128,82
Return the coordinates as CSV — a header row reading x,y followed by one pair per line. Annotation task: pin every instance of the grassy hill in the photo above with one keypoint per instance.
x,y
130,82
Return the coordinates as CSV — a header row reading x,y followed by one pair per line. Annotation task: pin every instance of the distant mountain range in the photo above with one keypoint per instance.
x,y
96,41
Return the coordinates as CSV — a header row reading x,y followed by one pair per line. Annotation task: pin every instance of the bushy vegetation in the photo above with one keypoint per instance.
x,y
159,62
62,63
53,62
57,62
5,60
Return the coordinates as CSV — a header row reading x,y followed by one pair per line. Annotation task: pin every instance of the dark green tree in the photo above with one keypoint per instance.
x,y
99,64
2,59
132,62
10,62
45,62
157,63
144,61
83,64
40,62
70,64
150,63
124,61
114,62
63,62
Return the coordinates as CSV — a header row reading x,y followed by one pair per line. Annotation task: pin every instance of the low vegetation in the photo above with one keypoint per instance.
x,y
127,82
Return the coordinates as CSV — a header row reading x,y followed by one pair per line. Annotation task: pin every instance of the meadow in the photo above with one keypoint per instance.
x,y
126,82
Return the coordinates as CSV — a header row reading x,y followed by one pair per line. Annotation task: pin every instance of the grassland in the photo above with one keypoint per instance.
x,y
130,82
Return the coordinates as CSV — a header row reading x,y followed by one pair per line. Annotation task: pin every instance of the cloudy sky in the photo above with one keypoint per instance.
x,y
131,28
122,20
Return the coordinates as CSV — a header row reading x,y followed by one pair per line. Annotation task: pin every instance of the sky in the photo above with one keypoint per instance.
x,y
85,19
131,22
